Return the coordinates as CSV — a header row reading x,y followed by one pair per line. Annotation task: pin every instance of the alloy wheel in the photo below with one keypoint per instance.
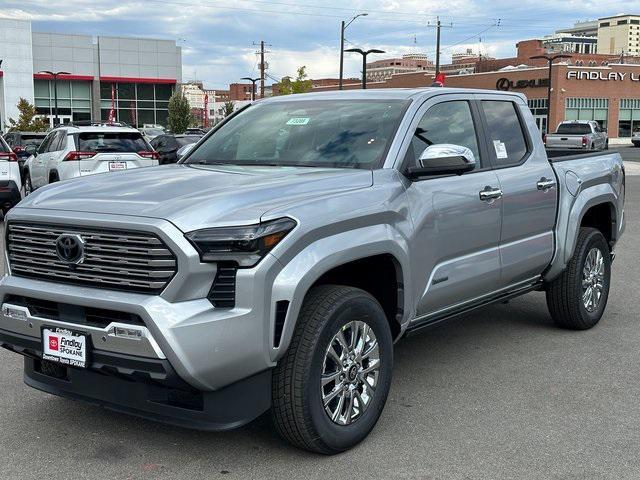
x,y
593,279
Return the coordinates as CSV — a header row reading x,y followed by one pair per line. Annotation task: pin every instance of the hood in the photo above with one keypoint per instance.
x,y
195,196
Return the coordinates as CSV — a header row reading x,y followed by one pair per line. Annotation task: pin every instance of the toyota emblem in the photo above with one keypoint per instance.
x,y
70,248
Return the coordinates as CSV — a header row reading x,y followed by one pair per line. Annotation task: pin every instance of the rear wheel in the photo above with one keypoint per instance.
x,y
28,187
54,177
578,297
331,386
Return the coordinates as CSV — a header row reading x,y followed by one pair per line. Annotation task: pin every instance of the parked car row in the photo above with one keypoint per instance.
x,y
30,160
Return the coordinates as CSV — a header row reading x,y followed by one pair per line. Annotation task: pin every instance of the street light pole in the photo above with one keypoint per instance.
x,y
343,27
364,61
550,59
253,86
56,121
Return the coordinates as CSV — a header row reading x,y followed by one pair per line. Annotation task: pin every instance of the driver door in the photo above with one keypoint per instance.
x,y
39,161
455,251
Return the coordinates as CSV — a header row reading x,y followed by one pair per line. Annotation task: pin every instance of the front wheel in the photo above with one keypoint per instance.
x,y
578,297
331,386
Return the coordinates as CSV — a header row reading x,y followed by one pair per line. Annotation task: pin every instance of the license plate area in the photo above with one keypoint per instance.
x,y
65,346
117,166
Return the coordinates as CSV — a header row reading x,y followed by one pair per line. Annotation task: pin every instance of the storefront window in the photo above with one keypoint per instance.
x,y
137,104
588,109
629,117
74,99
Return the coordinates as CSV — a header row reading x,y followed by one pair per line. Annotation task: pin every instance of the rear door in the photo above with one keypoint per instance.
x,y
113,151
38,163
528,184
455,256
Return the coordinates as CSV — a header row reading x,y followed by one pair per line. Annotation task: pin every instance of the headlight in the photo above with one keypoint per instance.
x,y
246,245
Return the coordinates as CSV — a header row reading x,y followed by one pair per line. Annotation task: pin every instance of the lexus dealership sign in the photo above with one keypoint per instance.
x,y
505,84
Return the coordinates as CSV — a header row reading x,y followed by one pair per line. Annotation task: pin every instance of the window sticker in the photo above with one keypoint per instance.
x,y
501,149
298,121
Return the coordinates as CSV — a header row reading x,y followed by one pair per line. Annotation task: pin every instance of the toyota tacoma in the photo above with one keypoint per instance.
x,y
275,266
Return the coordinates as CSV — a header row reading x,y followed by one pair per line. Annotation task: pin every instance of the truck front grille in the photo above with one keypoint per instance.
x,y
113,259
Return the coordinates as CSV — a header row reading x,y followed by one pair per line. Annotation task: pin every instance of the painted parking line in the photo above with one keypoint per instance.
x,y
632,168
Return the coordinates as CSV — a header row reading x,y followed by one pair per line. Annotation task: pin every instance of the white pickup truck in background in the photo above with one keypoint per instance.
x,y
577,135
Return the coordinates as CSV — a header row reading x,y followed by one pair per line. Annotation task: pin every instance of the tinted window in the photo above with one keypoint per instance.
x,y
182,141
57,142
505,132
449,122
44,146
32,139
318,133
3,146
111,142
573,129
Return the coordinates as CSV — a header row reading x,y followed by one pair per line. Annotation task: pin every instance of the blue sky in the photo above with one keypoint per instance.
x,y
217,36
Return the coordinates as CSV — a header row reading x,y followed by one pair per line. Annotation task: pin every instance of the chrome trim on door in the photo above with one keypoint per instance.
x,y
545,184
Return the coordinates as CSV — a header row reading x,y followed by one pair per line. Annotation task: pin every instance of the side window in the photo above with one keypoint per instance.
x,y
54,146
44,146
447,122
63,141
505,132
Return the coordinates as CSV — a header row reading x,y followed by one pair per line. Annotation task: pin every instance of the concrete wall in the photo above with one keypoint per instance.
x,y
17,67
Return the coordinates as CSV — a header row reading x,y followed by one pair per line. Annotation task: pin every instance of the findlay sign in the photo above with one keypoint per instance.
x,y
603,76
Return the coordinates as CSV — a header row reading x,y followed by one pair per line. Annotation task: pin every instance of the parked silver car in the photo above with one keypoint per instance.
x,y
578,135
276,266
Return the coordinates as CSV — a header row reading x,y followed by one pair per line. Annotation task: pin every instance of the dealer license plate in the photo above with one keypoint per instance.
x,y
64,346
117,166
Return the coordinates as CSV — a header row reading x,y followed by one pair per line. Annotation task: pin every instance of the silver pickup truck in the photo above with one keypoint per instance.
x,y
277,264
577,135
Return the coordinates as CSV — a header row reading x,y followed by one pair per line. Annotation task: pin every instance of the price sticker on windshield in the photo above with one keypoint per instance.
x,y
298,121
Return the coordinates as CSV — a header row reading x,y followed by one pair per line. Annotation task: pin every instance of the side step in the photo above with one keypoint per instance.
x,y
455,312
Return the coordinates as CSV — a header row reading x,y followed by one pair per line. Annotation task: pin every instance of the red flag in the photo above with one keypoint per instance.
x,y
112,112
439,80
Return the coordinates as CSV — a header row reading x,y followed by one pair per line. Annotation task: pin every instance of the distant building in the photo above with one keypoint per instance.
x,y
570,43
588,28
463,62
619,35
381,70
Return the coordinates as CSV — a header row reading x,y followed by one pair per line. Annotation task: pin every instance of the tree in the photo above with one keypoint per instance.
x,y
228,108
179,113
300,85
27,121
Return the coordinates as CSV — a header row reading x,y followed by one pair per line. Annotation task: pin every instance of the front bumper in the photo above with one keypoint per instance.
x,y
143,387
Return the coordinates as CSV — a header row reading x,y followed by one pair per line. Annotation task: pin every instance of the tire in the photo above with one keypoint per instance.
x,y
565,293
28,186
298,398
54,177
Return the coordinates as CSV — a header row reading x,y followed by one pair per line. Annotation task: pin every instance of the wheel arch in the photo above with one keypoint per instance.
x,y
352,265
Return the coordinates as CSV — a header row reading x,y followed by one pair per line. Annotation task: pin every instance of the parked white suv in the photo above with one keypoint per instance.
x,y
76,151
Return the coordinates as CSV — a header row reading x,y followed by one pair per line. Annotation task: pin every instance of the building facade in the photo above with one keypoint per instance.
x,y
134,76
381,70
619,35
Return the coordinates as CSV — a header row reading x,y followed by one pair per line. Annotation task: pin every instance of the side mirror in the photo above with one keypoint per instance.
x,y
31,149
443,159
182,151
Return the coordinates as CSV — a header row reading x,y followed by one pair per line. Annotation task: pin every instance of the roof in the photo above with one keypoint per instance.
x,y
383,94
97,128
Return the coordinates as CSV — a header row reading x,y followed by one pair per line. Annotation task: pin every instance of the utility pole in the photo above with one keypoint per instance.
x,y
438,26
55,75
262,69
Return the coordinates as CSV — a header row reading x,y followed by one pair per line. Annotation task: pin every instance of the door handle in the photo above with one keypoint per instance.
x,y
545,184
489,194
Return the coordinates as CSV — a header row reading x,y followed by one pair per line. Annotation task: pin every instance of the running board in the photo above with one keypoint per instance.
x,y
455,312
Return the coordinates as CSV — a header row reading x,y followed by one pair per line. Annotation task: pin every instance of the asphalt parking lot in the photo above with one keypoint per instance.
x,y
500,393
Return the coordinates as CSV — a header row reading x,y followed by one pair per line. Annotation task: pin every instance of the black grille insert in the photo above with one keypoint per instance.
x,y
64,312
223,290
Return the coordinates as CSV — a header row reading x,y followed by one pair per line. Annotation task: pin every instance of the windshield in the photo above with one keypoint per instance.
x,y
574,129
316,133
111,142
